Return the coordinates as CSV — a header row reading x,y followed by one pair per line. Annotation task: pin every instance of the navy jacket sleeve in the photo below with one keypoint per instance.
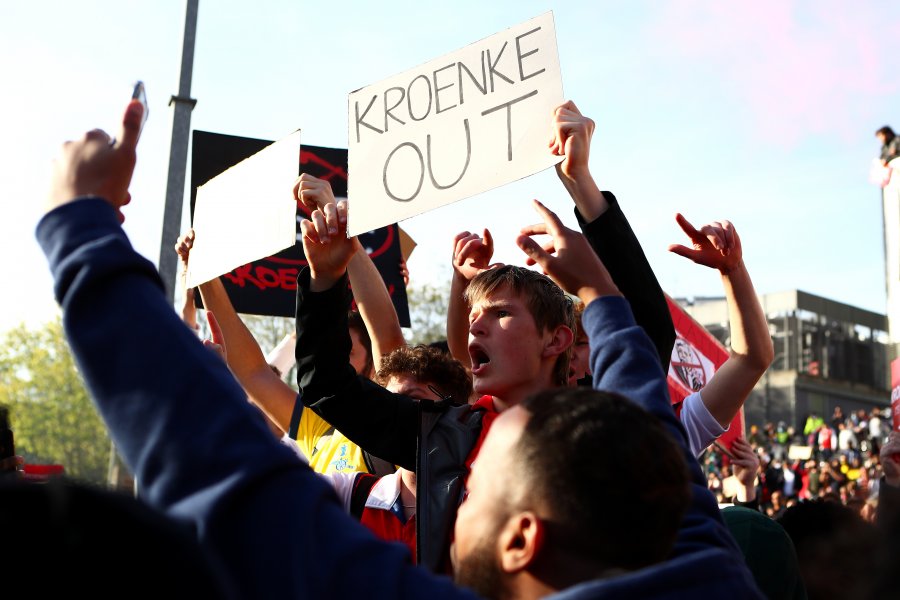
x,y
624,361
611,237
380,422
197,448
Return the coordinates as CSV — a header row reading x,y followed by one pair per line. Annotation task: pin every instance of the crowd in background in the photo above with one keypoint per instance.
x,y
835,460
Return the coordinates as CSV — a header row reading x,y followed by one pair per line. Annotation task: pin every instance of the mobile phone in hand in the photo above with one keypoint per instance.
x,y
723,450
140,94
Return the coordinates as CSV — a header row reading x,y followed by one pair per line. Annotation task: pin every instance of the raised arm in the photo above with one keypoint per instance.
x,y
373,301
572,139
198,449
624,361
471,255
607,230
372,297
718,246
189,311
746,467
382,423
245,358
566,258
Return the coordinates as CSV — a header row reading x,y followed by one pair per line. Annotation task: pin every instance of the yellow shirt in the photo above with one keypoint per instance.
x,y
327,449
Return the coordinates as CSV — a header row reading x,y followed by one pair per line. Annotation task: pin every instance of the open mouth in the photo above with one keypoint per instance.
x,y
478,357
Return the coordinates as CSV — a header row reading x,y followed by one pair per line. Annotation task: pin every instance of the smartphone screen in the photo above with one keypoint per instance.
x,y
140,94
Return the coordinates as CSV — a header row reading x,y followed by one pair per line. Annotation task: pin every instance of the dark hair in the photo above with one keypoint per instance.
x,y
356,323
549,306
615,482
887,132
441,345
65,536
429,366
836,548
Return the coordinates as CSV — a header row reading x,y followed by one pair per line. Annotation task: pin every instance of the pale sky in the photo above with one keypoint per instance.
x,y
762,113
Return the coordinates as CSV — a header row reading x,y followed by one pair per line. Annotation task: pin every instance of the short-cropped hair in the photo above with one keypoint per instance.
x,y
614,480
549,306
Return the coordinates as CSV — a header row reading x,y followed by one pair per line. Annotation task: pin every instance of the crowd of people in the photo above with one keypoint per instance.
x,y
826,499
536,454
839,461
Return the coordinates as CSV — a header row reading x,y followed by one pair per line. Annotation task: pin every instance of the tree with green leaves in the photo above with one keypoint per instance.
x,y
52,416
428,312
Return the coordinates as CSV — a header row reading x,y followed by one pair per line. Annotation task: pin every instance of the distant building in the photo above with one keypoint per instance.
x,y
827,354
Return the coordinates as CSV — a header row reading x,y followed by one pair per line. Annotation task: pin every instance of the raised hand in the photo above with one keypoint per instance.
x,y
326,245
313,192
571,139
183,247
217,343
572,134
472,253
715,245
746,466
566,258
97,165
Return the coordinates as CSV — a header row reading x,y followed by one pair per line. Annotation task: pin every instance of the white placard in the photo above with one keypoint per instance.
x,y
246,213
459,125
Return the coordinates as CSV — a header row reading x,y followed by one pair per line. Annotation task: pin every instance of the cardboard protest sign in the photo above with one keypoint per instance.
x,y
696,356
407,244
796,452
459,125
245,213
268,286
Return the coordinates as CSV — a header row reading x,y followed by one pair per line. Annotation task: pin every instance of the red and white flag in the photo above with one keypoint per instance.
x,y
695,357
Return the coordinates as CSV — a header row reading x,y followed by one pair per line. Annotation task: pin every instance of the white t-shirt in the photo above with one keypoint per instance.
x,y
702,428
846,437
875,428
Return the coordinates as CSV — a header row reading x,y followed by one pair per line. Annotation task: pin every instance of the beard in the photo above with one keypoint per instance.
x,y
480,570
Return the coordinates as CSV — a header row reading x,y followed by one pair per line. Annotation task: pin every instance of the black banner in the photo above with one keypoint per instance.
x,y
268,286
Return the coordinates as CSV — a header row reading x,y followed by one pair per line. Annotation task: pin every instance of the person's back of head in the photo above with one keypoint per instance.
x,y
769,552
616,481
63,538
835,548
571,485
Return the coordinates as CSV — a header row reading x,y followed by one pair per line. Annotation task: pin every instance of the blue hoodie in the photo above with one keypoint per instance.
x,y
203,455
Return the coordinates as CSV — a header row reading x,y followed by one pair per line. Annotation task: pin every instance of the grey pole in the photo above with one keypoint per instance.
x,y
181,130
